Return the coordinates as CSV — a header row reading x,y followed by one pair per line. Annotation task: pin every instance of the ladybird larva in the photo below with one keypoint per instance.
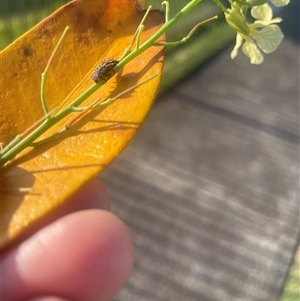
x,y
104,70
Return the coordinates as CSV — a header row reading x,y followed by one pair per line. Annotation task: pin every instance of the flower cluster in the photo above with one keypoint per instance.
x,y
262,34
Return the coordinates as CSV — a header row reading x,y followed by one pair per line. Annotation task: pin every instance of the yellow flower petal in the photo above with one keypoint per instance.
x,y
268,38
260,23
262,12
252,51
239,41
279,3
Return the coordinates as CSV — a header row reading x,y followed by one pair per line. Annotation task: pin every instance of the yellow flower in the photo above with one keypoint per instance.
x,y
261,35
264,12
277,3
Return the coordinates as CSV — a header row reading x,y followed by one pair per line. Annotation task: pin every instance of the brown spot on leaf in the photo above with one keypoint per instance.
x,y
84,25
26,51
43,30
78,16
44,33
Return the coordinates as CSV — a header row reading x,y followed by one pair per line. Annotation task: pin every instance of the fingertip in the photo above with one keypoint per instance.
x,y
87,255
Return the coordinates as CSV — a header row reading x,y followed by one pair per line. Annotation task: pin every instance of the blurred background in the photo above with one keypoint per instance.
x,y
210,185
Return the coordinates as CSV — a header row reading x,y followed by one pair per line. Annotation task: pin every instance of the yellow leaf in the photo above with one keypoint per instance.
x,y
55,170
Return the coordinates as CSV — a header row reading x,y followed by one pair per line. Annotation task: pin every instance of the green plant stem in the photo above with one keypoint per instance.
x,y
93,106
46,125
220,4
51,121
150,42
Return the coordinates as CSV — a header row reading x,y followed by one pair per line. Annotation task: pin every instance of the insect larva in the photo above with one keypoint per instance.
x,y
104,70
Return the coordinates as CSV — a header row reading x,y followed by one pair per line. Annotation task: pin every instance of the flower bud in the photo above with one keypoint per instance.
x,y
237,22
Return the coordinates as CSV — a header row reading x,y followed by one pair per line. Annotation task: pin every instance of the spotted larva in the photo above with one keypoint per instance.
x,y
104,70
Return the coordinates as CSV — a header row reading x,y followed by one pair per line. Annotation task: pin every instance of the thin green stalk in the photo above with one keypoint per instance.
x,y
44,74
220,4
167,9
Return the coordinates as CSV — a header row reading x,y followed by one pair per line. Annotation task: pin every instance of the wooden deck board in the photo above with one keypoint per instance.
x,y
210,185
